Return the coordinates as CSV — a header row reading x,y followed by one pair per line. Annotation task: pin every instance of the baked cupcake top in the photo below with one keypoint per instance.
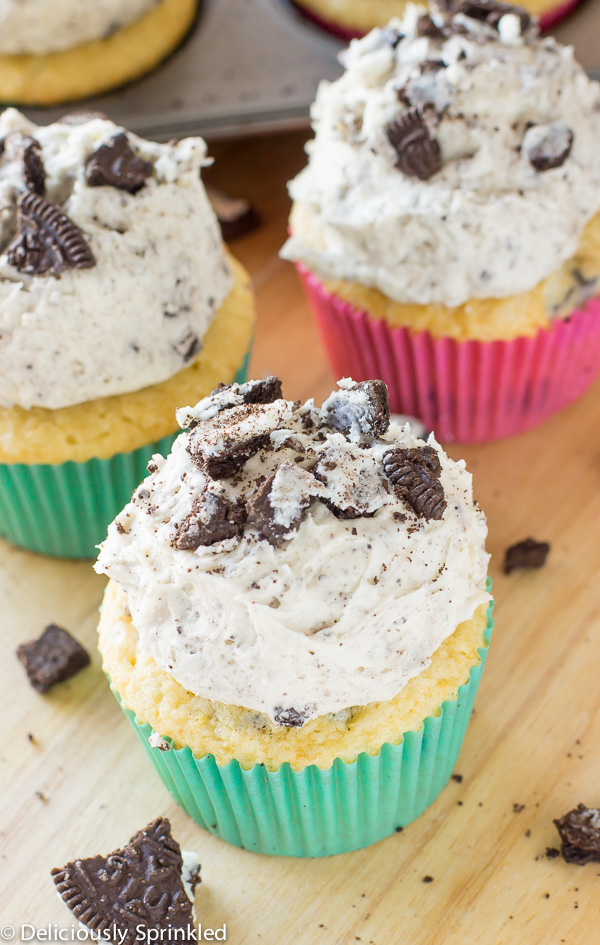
x,y
456,157
297,560
38,27
112,264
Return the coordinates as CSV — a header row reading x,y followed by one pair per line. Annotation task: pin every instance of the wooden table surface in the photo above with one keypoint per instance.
x,y
82,785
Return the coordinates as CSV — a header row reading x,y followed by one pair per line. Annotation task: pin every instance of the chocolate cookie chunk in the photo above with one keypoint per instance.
x,y
280,504
290,718
491,12
212,519
51,659
526,554
418,151
553,150
224,443
33,166
47,240
580,834
132,890
415,475
358,408
116,165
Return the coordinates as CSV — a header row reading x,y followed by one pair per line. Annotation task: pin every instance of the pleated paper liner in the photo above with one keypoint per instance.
x,y
466,391
315,811
547,20
65,509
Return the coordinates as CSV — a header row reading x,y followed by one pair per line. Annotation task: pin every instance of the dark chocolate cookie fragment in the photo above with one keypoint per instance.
x,y
526,554
47,240
491,12
262,391
415,475
213,518
580,834
224,443
227,396
52,658
33,166
116,165
281,502
132,890
291,718
427,27
418,152
359,408
553,150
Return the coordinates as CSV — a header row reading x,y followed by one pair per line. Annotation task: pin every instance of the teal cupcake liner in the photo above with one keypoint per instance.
x,y
65,509
316,811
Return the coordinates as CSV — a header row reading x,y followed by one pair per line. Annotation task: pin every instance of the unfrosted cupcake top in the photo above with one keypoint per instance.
x,y
112,264
457,157
298,561
37,27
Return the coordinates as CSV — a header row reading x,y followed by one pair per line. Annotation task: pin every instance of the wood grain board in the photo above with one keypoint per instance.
x,y
83,785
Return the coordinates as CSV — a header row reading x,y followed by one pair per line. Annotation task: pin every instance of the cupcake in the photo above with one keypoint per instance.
x,y
58,52
118,302
353,18
446,227
297,617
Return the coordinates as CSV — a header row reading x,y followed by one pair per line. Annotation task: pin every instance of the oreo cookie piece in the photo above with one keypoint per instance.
x,y
47,240
52,658
236,216
418,151
281,502
212,519
551,150
358,408
580,834
223,444
133,890
116,165
491,12
291,718
415,476
526,554
427,27
226,396
34,172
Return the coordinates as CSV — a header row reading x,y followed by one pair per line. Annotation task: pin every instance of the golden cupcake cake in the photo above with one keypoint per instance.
x,y
118,302
297,598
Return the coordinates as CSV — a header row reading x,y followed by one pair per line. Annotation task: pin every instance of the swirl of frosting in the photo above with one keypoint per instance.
x,y
298,561
455,158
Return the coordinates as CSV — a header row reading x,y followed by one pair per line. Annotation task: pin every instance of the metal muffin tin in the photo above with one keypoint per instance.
x,y
248,66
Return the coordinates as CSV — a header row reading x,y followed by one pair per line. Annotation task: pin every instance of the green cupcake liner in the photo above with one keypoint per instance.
x,y
65,509
315,811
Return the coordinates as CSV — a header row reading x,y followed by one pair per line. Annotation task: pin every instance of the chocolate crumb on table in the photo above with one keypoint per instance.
x,y
579,831
526,554
53,658
458,778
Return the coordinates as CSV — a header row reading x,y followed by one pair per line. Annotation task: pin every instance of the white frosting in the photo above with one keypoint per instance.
x,y
343,612
487,224
37,27
139,316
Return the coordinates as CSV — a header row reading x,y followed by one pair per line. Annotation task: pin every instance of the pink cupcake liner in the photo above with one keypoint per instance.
x,y
547,20
466,391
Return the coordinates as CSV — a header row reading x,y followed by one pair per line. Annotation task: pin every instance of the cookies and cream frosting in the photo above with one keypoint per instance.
x,y
456,157
112,264
38,27
296,560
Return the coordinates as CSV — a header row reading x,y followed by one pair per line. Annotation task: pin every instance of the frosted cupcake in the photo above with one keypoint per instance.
x,y
297,615
57,52
352,18
447,226
118,302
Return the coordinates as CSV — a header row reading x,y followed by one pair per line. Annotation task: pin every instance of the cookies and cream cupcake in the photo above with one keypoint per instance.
x,y
447,225
57,52
118,301
352,18
298,610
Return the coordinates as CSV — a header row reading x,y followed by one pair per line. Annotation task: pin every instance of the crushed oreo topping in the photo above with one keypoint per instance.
x,y
262,391
526,554
418,152
116,165
415,475
353,481
359,408
52,658
47,240
134,889
427,27
553,149
280,504
212,519
223,444
291,718
33,166
580,834
226,396
491,12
